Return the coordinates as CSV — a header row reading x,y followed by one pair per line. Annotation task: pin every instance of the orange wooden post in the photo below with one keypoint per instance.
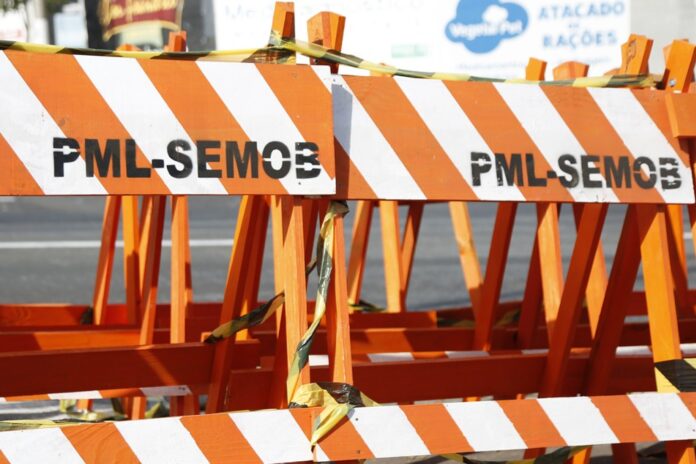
x,y
531,300
550,262
391,247
468,258
102,284
327,29
150,280
358,248
598,275
662,311
408,246
234,285
131,264
295,285
680,57
495,270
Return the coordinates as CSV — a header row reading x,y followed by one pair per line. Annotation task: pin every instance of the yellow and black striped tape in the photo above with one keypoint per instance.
x,y
322,53
337,399
678,375
273,55
324,256
264,311
282,51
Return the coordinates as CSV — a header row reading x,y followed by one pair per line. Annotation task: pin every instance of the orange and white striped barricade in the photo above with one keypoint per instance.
x,y
279,436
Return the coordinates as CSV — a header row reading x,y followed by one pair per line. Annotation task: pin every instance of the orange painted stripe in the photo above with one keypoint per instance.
x,y
16,178
219,439
202,113
294,93
350,183
654,104
343,442
3,459
410,138
27,398
536,429
98,443
623,418
436,428
689,400
81,112
504,134
597,136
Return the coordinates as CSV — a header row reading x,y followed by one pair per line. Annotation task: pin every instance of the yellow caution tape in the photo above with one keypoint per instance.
x,y
337,399
677,375
282,51
324,256
366,307
264,311
254,55
321,53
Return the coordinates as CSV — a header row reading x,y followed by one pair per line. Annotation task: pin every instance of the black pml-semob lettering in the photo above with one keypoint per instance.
x,y
585,171
181,159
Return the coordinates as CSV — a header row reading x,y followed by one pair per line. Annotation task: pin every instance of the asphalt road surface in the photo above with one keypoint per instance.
x,y
49,249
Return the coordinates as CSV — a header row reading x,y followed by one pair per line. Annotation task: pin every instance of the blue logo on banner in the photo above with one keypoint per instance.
x,y
482,24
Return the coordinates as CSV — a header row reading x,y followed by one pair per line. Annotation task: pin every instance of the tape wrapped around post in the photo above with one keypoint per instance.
x,y
324,264
680,373
264,311
337,399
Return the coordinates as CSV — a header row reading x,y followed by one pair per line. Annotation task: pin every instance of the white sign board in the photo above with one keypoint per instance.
x,y
483,37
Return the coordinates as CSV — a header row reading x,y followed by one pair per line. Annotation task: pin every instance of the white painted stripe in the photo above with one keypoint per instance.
x,y
3,400
368,149
485,426
629,351
535,351
666,415
252,102
550,134
578,421
466,354
38,446
320,455
274,435
387,432
390,357
143,112
29,130
86,244
636,319
176,390
642,137
83,395
456,134
160,440
318,360
688,349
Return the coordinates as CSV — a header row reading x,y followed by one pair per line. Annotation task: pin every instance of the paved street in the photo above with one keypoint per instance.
x,y
49,249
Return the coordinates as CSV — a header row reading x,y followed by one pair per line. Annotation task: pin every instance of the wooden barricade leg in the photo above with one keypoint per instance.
x,y
327,29
105,265
234,285
408,246
391,247
131,265
468,258
532,298
495,271
152,254
358,248
662,310
295,287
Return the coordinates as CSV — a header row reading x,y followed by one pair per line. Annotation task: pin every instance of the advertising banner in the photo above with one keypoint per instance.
x,y
485,37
